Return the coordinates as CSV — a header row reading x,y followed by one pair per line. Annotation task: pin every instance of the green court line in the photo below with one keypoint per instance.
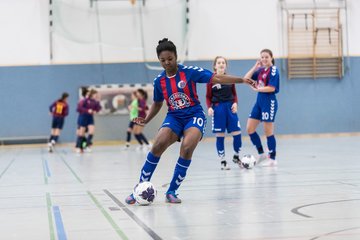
x,y
51,224
71,170
7,167
108,217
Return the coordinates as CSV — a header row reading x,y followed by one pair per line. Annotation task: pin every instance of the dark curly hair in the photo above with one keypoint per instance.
x,y
166,45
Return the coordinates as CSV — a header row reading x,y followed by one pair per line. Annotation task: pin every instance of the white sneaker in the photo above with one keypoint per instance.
x,y
269,163
261,158
50,147
78,151
88,150
53,142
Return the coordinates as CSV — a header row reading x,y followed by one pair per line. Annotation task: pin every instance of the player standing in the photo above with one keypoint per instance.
x,y
221,100
267,85
87,108
185,118
59,110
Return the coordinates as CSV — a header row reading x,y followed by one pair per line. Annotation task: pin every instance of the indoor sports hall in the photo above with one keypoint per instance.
x,y
49,190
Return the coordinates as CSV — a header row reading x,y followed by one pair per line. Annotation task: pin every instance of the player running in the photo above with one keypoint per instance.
x,y
59,110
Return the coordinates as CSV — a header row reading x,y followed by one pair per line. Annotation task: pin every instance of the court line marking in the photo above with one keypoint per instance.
x,y
296,210
59,223
147,229
68,166
50,219
330,233
7,167
108,217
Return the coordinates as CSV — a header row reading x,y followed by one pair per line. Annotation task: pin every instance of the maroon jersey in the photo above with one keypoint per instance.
x,y
59,108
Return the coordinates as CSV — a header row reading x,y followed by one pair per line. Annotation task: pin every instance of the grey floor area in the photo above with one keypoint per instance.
x,y
314,193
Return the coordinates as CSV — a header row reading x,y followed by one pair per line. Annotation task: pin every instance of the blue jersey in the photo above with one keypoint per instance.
x,y
266,105
267,77
179,91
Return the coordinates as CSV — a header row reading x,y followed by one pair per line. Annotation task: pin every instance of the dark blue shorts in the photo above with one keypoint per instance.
x,y
86,120
57,122
224,119
265,108
179,124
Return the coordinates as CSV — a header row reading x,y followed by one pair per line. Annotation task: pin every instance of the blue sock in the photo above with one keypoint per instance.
x,y
128,136
143,138
51,138
179,174
237,143
255,139
89,140
55,138
138,138
149,167
79,141
220,146
271,142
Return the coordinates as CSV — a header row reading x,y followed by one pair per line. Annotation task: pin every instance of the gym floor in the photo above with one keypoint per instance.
x,y
314,193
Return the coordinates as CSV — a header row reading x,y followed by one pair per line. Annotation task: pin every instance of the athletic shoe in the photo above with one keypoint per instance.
x,y
88,150
130,199
50,147
262,157
127,146
224,165
78,151
269,163
236,159
53,142
171,197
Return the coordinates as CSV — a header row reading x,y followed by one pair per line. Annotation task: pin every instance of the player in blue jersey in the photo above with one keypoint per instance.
x,y
267,80
59,110
221,100
185,118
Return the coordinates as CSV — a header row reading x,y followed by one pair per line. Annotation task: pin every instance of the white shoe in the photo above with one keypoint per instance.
x,y
78,151
261,158
50,147
53,142
269,163
88,150
223,162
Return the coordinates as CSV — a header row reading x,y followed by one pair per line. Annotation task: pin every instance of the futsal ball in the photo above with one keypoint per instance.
x,y
144,193
248,161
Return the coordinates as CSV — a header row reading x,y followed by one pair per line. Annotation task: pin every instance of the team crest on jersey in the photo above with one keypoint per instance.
x,y
179,100
181,84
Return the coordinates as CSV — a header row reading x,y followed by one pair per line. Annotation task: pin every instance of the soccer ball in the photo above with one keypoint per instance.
x,y
144,193
248,161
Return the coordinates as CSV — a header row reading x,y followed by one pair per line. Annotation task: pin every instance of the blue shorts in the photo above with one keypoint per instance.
x,y
224,119
179,124
86,120
57,122
131,124
265,108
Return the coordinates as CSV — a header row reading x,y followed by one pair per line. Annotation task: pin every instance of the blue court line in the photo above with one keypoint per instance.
x,y
59,224
47,169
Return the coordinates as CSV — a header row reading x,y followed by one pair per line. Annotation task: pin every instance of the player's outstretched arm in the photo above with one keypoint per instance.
x,y
228,79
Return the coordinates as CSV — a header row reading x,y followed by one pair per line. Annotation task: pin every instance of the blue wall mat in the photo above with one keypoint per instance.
x,y
305,105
